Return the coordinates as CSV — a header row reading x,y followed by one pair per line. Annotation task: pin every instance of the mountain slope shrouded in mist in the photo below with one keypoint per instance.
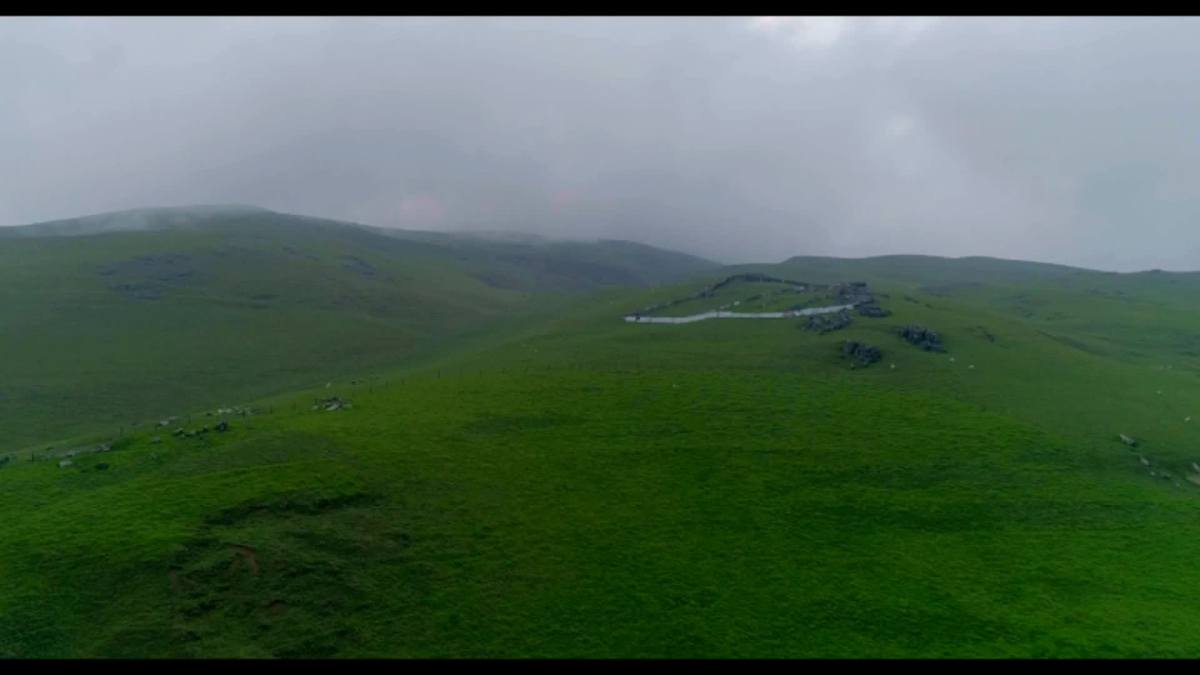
x,y
560,482
111,318
599,337
399,444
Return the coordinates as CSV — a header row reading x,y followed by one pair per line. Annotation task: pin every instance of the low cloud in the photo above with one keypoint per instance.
x,y
1065,140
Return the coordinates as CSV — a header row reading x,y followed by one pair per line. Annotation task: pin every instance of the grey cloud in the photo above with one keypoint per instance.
x,y
1065,140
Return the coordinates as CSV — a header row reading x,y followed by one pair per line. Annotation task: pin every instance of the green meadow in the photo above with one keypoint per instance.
x,y
514,471
101,327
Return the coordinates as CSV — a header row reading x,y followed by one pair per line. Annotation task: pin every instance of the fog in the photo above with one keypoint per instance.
x,y
1069,140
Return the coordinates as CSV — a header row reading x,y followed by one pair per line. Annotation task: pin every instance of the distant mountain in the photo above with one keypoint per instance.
x,y
134,219
116,315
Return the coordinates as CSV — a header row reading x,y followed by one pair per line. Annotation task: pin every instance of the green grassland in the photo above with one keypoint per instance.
x,y
742,296
560,483
103,327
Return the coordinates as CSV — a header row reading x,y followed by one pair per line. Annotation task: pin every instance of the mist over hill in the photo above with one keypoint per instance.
x,y
119,315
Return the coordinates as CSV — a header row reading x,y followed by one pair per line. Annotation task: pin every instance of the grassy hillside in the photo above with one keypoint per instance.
x,y
573,485
109,319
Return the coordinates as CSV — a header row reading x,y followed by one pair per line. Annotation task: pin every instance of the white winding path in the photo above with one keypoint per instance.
x,y
718,314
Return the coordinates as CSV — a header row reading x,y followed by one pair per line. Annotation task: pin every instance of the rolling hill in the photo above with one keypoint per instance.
x,y
110,319
557,482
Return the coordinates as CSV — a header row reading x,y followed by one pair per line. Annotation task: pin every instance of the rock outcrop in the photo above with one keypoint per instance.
x,y
923,338
853,293
330,404
825,323
860,353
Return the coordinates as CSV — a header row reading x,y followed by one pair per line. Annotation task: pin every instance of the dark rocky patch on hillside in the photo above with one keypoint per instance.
x,y
826,323
150,277
923,338
853,293
861,354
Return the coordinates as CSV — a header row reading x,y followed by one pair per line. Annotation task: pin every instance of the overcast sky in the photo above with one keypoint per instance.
x,y
742,139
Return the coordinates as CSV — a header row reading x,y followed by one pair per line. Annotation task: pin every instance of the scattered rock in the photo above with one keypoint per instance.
x,y
65,463
222,426
853,293
1194,478
179,432
923,338
862,354
1143,460
825,323
156,439
1128,441
330,404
